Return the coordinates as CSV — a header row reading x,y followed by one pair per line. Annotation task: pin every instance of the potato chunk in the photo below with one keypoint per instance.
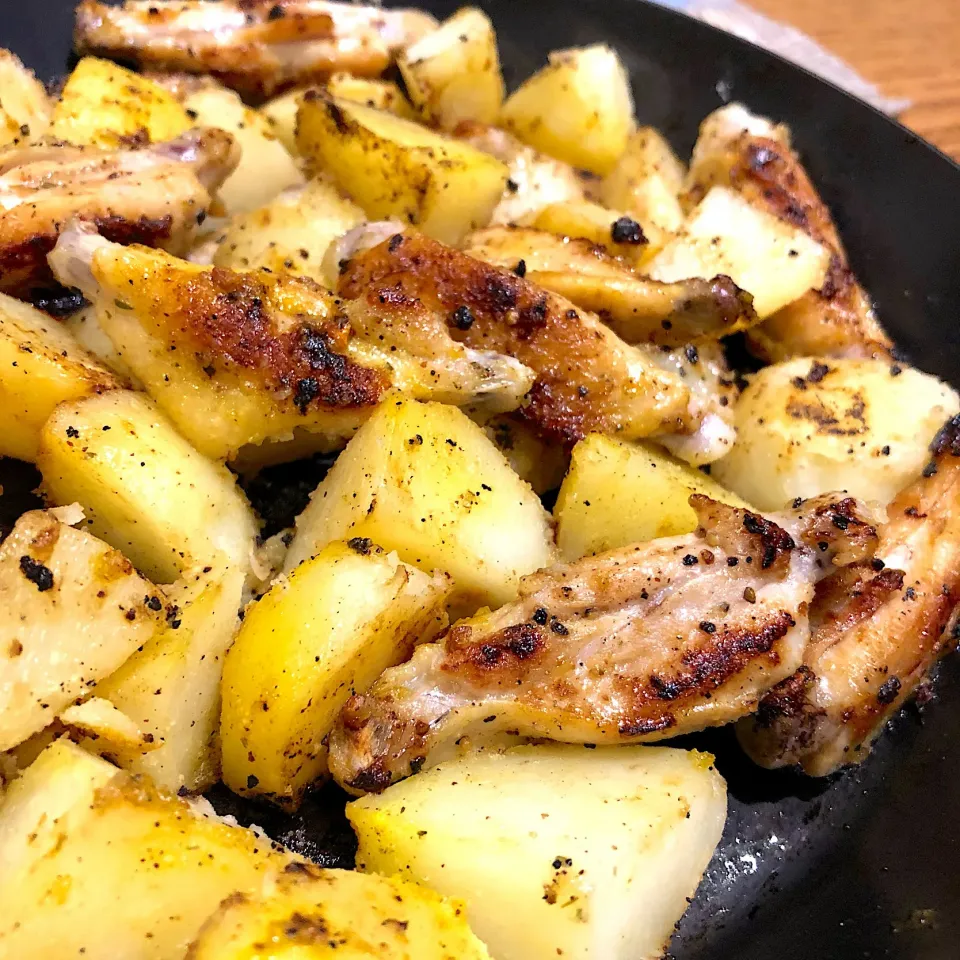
x,y
71,611
106,105
588,853
265,166
767,257
41,365
170,688
98,864
318,636
422,479
453,74
145,490
617,493
394,168
24,105
809,426
578,108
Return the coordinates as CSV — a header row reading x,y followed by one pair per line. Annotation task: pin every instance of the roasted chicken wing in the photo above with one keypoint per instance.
x,y
258,47
637,644
156,195
877,629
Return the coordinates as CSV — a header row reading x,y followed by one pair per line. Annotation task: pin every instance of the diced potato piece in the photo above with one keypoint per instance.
x,y
394,168
71,611
618,493
808,426
171,687
365,917
422,479
111,732
265,169
104,105
84,325
145,490
41,366
97,864
539,463
767,257
646,182
24,105
453,73
290,234
281,116
591,854
318,636
578,108
616,232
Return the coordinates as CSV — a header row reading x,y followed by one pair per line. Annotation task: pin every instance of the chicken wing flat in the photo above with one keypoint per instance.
x,y
156,195
877,629
587,378
258,47
235,358
632,645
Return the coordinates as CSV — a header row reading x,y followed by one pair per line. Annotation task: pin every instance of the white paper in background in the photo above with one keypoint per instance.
x,y
789,43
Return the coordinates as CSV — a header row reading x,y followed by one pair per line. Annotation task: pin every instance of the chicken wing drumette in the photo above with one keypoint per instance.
x,y
637,644
877,629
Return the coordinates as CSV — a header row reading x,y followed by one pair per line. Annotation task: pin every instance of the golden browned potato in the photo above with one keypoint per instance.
x,y
144,489
578,108
397,169
41,366
25,107
319,635
617,493
533,459
453,74
265,168
72,609
99,727
811,425
106,105
555,850
422,479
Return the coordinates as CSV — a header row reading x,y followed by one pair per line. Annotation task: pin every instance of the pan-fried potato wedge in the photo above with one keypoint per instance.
x,y
144,489
618,493
290,234
265,168
578,108
809,425
72,609
646,182
41,366
306,909
96,863
25,107
106,105
555,850
422,479
170,688
397,169
772,260
99,727
453,73
85,327
318,636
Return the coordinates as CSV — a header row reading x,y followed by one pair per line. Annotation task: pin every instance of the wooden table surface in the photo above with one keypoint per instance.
x,y
908,48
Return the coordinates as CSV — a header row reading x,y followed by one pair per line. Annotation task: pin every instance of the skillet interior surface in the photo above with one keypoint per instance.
x,y
865,864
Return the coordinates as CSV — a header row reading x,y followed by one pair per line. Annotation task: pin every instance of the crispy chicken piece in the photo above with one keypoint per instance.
x,y
258,47
155,195
835,321
877,629
240,357
637,309
587,378
633,645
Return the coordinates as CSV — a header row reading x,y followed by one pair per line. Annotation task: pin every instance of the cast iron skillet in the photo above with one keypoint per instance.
x,y
865,864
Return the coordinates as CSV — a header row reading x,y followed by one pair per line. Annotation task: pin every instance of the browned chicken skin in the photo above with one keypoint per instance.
x,y
877,629
258,47
155,195
636,644
587,379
